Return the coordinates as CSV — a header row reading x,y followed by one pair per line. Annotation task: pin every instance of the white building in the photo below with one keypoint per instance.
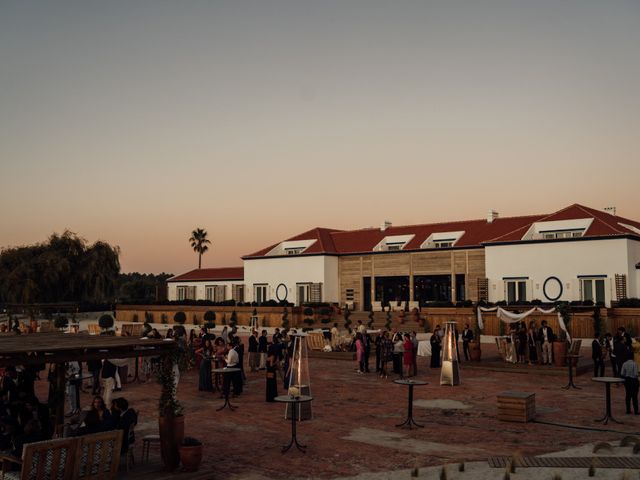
x,y
576,253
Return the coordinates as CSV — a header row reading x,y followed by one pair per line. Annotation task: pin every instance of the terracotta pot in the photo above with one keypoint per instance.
x,y
475,351
559,352
171,431
190,457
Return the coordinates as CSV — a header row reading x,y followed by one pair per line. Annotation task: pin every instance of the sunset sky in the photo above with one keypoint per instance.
x,y
135,122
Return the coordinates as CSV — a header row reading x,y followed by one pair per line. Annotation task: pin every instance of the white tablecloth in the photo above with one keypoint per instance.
x,y
424,348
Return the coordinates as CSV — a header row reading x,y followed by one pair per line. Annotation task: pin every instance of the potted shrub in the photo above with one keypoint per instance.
x,y
106,324
561,344
285,319
180,318
210,319
190,454
61,323
233,320
171,418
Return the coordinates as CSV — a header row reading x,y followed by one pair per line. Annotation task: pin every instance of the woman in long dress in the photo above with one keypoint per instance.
x,y
407,356
206,354
435,350
272,368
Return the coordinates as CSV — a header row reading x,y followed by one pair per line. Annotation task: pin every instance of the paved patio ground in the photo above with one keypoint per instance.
x,y
353,428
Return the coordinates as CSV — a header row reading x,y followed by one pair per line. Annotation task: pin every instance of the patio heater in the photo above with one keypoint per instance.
x,y
450,374
299,377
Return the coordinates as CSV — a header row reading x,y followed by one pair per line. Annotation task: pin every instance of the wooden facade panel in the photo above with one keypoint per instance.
x,y
366,266
460,262
426,263
391,265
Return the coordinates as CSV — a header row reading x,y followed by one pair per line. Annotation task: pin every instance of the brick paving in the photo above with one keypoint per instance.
x,y
353,430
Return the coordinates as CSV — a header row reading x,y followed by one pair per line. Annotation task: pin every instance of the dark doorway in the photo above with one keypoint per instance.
x,y
460,292
432,288
366,293
392,289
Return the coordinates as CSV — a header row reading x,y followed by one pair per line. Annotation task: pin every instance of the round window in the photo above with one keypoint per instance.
x,y
552,288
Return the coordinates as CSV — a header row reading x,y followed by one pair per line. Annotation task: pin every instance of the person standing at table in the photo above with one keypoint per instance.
x,y
254,362
467,336
414,353
359,353
386,354
263,344
435,342
108,380
407,356
532,343
629,372
597,355
205,353
545,337
272,368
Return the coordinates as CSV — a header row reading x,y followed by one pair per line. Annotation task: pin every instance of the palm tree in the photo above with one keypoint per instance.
x,y
199,243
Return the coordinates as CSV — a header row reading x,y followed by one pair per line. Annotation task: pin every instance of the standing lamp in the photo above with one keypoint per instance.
x,y
450,374
299,383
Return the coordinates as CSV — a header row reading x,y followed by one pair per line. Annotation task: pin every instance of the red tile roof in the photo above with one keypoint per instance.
x,y
603,224
204,274
477,232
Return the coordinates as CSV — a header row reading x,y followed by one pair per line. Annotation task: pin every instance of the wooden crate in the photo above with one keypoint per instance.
x,y
516,406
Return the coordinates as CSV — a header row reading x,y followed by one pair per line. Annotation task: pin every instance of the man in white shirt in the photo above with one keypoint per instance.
x,y
545,337
334,336
233,361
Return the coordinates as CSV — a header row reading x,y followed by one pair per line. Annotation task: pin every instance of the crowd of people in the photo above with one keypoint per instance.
x,y
25,419
265,354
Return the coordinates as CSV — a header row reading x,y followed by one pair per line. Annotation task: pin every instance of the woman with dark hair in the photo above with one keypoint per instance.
x,y
104,415
407,356
205,353
272,368
219,354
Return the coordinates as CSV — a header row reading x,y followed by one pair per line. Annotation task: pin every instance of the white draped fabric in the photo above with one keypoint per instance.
x,y
510,317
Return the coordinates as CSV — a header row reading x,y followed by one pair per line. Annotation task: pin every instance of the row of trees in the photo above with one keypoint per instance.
x,y
65,268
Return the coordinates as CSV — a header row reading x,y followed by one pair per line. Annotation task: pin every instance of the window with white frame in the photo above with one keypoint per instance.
x,y
515,290
443,243
260,292
592,288
181,293
303,293
550,235
293,251
215,293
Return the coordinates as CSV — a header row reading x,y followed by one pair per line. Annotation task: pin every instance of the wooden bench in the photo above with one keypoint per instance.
x,y
516,406
90,457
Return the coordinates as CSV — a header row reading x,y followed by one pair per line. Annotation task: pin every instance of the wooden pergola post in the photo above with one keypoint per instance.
x,y
59,395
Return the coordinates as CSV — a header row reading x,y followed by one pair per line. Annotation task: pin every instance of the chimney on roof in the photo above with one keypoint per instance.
x,y
492,215
610,210
384,225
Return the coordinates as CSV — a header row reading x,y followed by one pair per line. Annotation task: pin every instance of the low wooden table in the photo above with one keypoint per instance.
x,y
224,372
410,383
607,383
294,402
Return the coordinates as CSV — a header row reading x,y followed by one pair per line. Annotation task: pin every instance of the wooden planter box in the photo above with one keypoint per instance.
x,y
516,406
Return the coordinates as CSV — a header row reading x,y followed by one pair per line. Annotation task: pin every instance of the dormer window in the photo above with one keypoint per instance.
x,y
393,243
442,239
558,229
291,247
549,235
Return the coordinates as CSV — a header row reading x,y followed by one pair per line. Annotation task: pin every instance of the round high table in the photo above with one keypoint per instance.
x,y
607,383
294,402
410,383
225,372
570,359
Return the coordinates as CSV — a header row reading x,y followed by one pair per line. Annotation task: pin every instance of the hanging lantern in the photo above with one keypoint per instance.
x,y
450,374
299,382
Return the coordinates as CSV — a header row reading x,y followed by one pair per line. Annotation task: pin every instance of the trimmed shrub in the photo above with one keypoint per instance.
x,y
180,318
308,312
106,321
61,322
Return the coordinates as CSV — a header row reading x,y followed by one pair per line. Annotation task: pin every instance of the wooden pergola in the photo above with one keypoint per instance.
x,y
60,348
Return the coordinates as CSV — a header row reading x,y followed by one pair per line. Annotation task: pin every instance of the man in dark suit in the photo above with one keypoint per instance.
x,y
128,419
597,356
545,337
467,336
254,359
